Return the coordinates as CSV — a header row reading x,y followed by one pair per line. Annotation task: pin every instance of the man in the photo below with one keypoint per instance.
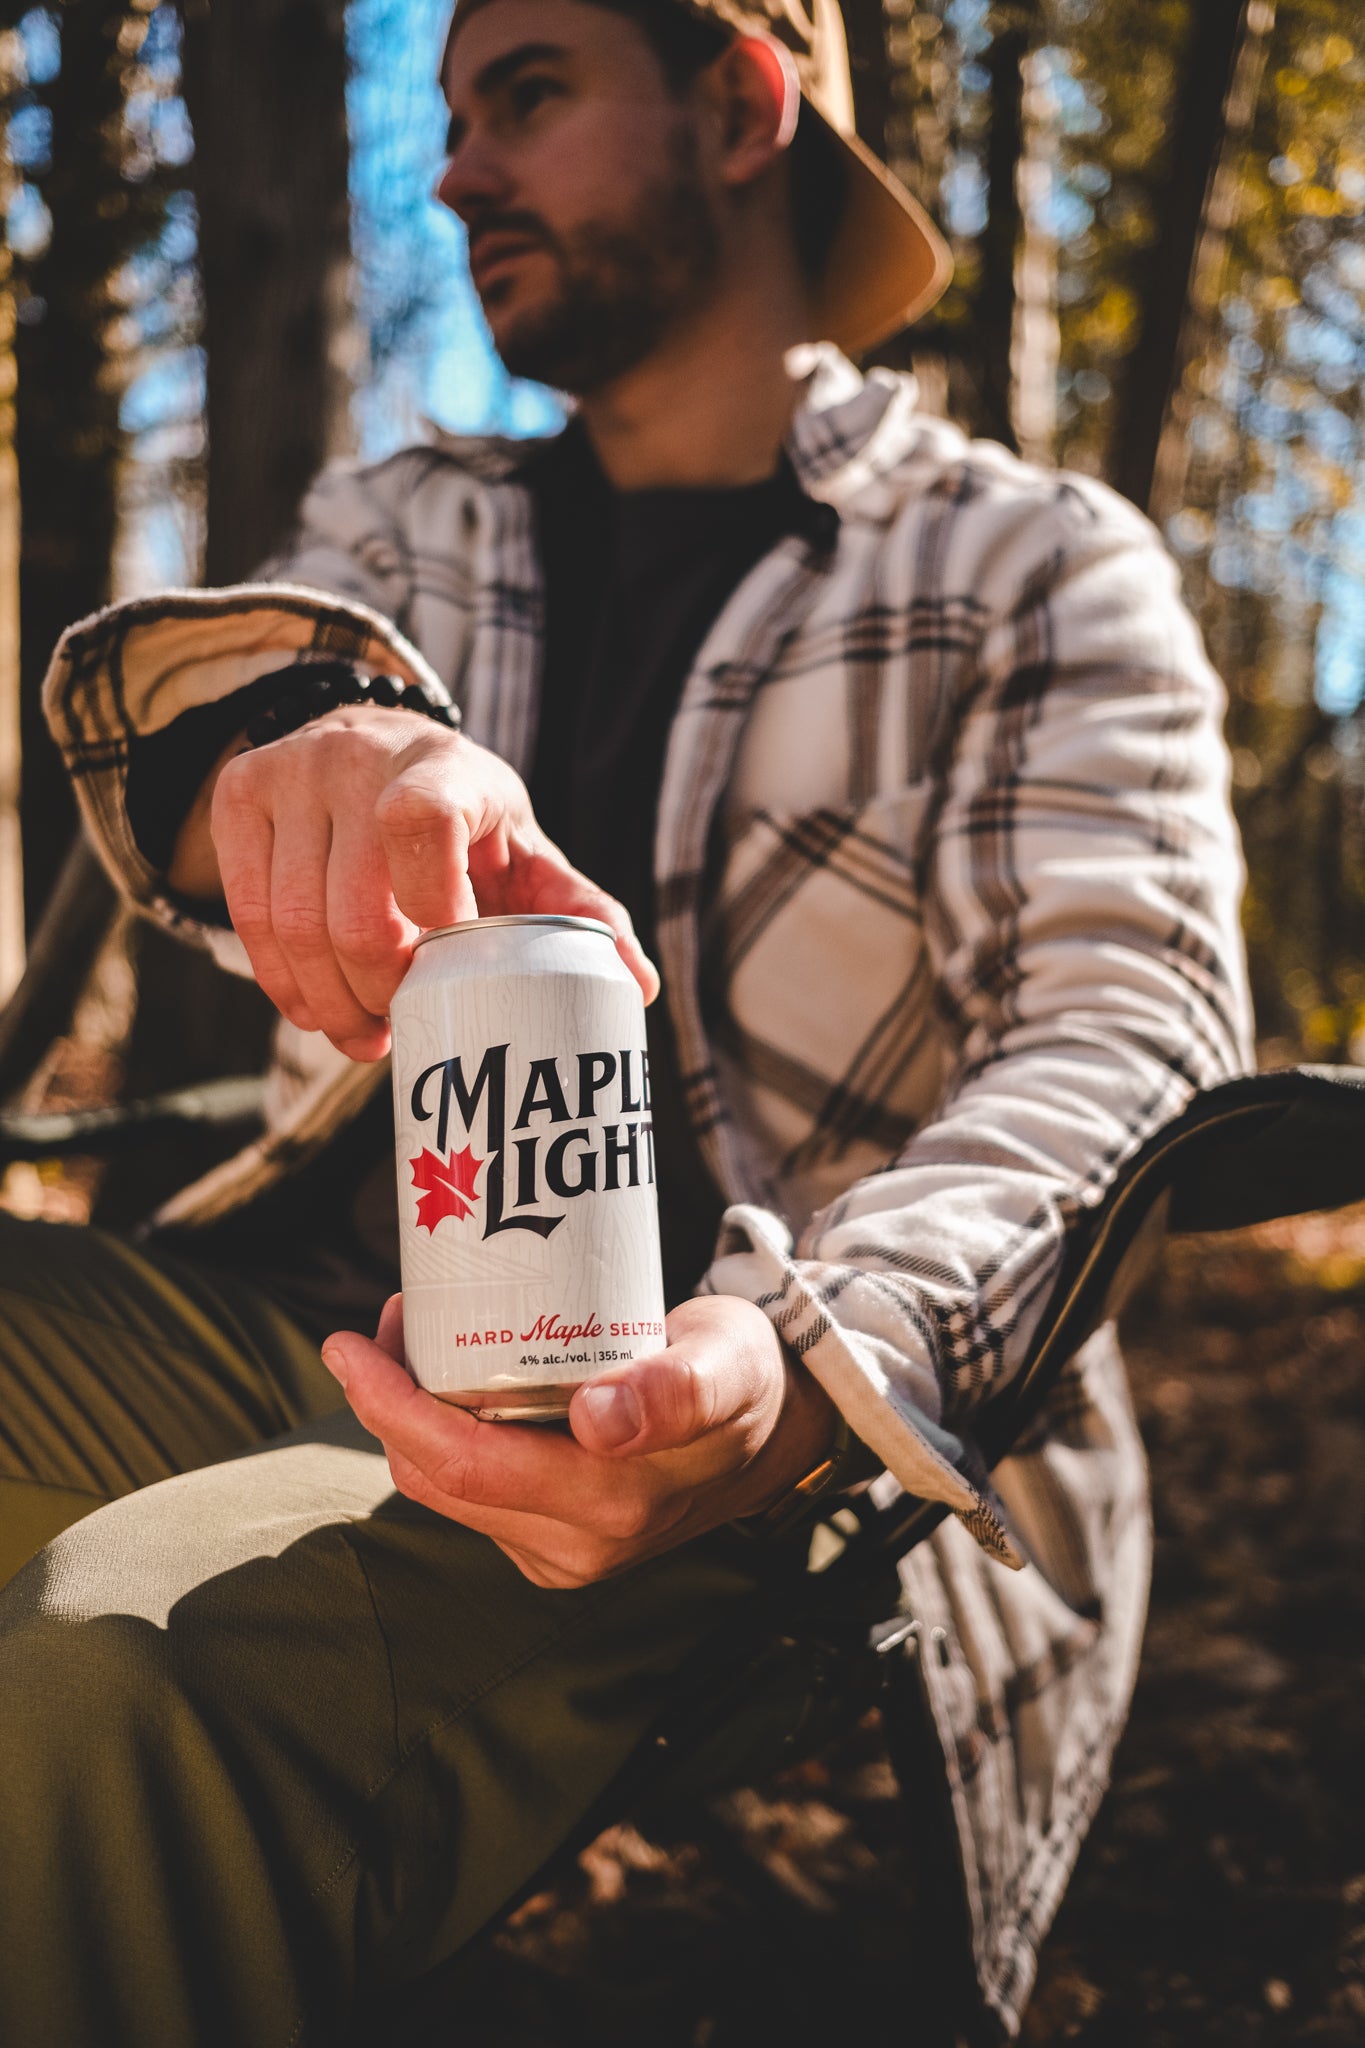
x,y
943,893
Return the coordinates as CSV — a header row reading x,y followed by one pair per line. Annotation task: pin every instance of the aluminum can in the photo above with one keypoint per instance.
x,y
528,1219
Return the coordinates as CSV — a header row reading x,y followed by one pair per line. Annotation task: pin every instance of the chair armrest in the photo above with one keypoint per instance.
x,y
1247,1151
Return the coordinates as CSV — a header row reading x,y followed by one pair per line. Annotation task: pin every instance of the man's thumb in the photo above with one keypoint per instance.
x,y
657,1404
606,1417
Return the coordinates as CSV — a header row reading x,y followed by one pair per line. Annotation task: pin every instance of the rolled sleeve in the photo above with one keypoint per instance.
x,y
134,668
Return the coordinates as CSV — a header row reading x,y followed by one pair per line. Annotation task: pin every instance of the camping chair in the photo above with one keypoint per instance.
x,y
213,1116
1247,1151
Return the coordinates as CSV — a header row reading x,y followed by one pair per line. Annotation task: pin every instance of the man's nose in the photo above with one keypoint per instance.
x,y
473,180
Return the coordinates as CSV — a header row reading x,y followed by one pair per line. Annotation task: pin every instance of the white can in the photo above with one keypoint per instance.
x,y
528,1220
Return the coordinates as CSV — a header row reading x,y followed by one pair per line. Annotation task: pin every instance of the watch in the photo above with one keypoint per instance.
x,y
847,1467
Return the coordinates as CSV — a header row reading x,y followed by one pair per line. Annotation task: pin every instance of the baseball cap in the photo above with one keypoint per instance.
x,y
887,263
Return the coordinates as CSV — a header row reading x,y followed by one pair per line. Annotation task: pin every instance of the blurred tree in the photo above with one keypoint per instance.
x,y
73,361
265,81
866,23
11,855
1013,30
937,124
1198,168
1223,61
1273,446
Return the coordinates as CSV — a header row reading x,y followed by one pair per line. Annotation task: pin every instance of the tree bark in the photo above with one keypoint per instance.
x,y
265,83
11,839
1221,72
1036,340
993,313
67,434
870,63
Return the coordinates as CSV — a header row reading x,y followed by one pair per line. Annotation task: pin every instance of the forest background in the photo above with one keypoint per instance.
x,y
220,267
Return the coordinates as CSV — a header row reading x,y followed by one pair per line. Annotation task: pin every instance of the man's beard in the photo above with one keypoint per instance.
x,y
620,286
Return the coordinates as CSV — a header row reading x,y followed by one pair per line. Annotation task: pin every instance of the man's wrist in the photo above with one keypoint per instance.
x,y
834,1463
314,690
846,1468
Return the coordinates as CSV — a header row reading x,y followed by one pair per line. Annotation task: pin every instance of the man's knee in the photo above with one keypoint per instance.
x,y
142,1709
80,1680
203,1633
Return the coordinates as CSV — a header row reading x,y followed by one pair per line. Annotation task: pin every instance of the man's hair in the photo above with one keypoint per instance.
x,y
685,43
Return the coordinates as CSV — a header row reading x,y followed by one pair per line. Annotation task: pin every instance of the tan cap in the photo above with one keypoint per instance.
x,y
888,262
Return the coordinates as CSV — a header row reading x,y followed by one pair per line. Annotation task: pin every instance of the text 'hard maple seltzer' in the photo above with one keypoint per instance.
x,y
528,1218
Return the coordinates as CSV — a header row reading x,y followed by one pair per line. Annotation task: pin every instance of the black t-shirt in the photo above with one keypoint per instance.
x,y
633,582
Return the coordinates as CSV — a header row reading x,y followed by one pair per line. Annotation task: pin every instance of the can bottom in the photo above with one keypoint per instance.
x,y
515,1404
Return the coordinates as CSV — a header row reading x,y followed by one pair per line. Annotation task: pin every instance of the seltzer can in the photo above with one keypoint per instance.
x,y
529,1224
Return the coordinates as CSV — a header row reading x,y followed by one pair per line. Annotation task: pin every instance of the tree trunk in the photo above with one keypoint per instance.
x,y
993,312
870,63
1219,81
265,82
11,843
67,434
11,839
265,85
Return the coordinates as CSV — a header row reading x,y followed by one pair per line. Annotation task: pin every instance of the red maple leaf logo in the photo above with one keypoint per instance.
x,y
446,1185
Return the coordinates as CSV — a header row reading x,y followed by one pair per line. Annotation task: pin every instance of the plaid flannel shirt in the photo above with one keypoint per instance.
x,y
947,893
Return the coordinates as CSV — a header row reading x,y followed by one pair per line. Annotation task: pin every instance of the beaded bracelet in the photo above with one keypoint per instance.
x,y
311,689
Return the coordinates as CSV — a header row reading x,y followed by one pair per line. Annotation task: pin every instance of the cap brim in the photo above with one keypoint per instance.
x,y
888,264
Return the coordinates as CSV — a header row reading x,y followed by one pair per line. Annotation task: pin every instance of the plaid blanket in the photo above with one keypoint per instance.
x,y
947,917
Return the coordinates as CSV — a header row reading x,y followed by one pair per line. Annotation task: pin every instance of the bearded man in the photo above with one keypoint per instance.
x,y
902,759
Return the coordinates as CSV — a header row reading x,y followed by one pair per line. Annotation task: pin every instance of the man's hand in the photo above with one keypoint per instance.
x,y
718,1425
336,845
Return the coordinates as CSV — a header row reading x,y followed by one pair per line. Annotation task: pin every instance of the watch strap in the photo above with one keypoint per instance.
x,y
846,1468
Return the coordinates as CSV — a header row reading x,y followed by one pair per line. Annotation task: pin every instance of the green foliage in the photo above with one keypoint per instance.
x,y
1261,485
1275,436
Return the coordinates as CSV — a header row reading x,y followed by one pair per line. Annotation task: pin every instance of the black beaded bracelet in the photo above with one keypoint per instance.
x,y
311,689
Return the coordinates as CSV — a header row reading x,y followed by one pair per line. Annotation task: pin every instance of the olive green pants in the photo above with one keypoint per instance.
x,y
270,1734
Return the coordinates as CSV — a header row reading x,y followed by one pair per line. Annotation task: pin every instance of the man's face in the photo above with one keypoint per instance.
x,y
580,179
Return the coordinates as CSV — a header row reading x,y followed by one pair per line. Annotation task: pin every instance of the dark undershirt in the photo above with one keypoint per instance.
x,y
632,583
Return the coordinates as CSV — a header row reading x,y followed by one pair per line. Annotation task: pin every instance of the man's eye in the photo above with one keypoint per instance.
x,y
529,92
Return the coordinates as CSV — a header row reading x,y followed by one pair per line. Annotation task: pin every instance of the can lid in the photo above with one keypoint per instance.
x,y
484,924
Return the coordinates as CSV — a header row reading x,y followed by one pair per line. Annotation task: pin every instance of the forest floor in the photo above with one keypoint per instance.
x,y
1220,1898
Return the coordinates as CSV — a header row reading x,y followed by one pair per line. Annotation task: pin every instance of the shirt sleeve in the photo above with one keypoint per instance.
x,y
1081,889
130,672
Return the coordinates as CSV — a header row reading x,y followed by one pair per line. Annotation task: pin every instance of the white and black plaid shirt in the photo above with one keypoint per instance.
x,y
947,893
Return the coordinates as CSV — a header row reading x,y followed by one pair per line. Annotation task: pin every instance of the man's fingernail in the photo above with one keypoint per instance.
x,y
334,1362
615,1413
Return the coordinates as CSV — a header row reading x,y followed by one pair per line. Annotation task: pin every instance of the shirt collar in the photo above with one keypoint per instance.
x,y
847,430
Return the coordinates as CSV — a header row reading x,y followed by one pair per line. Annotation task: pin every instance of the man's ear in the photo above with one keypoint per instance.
x,y
758,94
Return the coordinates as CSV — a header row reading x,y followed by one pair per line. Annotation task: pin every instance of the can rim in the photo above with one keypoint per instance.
x,y
483,924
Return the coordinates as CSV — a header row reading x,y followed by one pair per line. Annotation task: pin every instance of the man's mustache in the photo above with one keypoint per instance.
x,y
510,223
